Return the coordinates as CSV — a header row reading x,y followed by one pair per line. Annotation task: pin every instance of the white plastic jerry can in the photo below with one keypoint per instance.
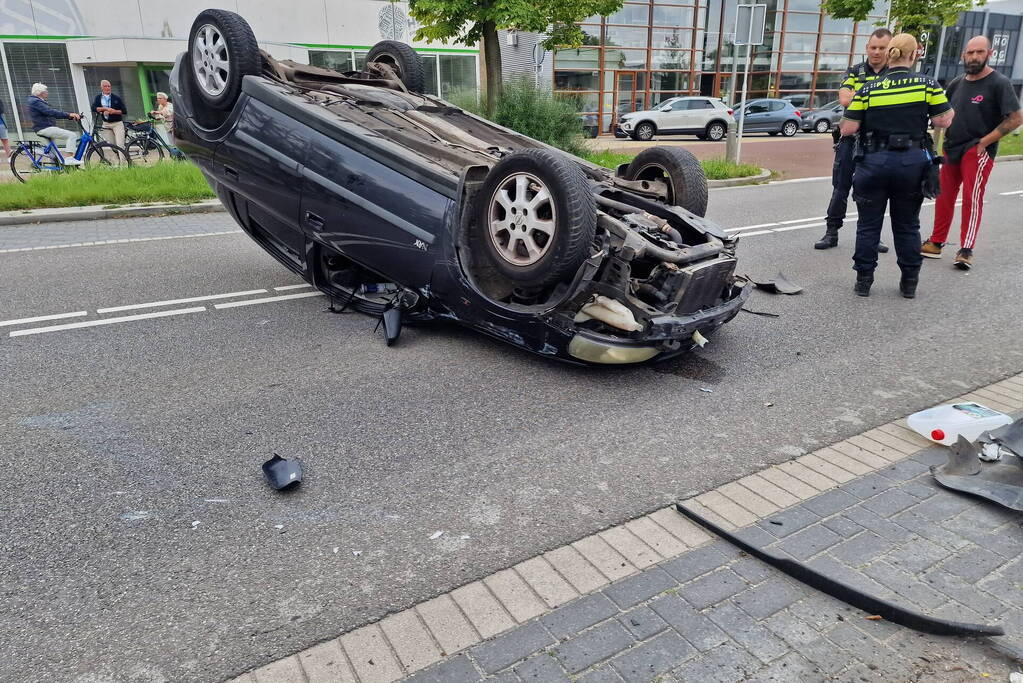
x,y
945,424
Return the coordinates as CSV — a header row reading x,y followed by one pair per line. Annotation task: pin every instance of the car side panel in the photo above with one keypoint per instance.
x,y
372,214
260,161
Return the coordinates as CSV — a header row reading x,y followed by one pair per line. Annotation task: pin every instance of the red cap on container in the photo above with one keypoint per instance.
x,y
938,435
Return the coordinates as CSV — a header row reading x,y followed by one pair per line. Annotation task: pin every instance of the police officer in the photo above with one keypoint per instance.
x,y
855,78
893,158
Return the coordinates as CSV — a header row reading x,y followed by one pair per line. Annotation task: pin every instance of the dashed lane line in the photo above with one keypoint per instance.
x,y
121,241
42,318
175,302
285,288
107,321
267,300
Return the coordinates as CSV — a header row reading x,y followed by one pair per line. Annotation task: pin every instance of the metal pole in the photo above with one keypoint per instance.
x,y
10,90
742,108
888,16
938,58
731,152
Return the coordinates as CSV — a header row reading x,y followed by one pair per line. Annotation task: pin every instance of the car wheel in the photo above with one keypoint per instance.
x,y
406,63
644,132
822,126
537,216
789,129
222,51
716,131
687,183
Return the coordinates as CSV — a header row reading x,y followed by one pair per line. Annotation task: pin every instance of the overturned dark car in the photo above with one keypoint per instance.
x,y
400,205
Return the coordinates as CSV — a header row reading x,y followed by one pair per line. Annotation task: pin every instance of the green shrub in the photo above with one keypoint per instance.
x,y
533,111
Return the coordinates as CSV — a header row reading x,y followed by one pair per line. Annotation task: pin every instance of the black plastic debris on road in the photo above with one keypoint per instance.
x,y
779,285
999,481
281,473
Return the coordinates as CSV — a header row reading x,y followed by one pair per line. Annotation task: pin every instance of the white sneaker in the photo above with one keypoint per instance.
x,y
71,161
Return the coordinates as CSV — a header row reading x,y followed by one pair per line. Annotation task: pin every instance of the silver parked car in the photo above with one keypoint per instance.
x,y
704,117
822,119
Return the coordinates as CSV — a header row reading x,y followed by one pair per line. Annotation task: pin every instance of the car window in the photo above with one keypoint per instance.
x,y
777,106
701,104
681,105
757,108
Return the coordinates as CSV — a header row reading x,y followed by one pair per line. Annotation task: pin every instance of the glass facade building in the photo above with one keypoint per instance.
x,y
652,50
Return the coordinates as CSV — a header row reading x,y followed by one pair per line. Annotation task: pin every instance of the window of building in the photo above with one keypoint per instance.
x,y
45,63
124,80
800,42
795,81
334,59
623,36
457,73
673,16
631,15
673,38
671,59
831,43
576,80
795,21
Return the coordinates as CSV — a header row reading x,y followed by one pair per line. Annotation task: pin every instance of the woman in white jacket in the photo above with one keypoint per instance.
x,y
164,115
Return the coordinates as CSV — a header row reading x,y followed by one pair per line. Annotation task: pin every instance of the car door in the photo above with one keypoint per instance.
x,y
756,117
675,118
259,163
777,114
701,113
371,213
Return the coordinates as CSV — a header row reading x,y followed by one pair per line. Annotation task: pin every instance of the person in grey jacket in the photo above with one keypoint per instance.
x,y
3,133
44,122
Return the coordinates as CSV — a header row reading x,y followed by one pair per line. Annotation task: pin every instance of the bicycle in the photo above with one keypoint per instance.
x,y
26,162
145,146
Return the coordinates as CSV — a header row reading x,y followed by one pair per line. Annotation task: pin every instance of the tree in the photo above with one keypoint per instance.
x,y
910,16
472,21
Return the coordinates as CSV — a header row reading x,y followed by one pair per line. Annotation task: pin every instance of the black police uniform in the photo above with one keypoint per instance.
x,y
893,158
855,78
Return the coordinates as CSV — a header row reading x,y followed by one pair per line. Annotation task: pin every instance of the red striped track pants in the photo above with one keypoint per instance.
x,y
972,173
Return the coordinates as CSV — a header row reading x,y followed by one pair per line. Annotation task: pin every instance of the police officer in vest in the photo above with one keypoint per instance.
x,y
855,78
893,157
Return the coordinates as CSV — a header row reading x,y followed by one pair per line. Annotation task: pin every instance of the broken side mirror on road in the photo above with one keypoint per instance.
x,y
282,473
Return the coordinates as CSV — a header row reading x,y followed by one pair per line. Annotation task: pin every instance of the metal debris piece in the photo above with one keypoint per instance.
x,y
706,390
868,603
282,473
436,535
779,285
1000,481
763,313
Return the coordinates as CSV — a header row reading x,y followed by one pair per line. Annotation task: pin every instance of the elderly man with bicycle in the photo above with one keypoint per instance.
x,y
45,125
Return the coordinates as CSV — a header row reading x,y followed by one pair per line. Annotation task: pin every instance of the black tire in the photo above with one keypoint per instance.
x,y
644,132
701,136
405,61
773,133
218,33
687,183
144,152
716,131
105,155
22,166
789,128
571,208
822,126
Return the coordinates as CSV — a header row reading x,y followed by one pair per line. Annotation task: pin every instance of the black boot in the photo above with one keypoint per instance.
x,y
863,283
829,240
907,285
882,248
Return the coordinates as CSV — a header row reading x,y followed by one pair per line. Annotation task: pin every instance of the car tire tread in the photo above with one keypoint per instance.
x,y
682,168
413,73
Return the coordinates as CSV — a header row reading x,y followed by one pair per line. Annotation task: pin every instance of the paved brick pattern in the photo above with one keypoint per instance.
x,y
714,614
657,598
52,235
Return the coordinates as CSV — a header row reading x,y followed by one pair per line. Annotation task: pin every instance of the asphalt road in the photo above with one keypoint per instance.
x,y
140,543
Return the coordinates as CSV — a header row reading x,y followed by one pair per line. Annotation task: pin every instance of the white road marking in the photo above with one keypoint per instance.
x,y
1013,192
287,287
755,232
41,318
174,302
267,300
122,241
107,321
799,227
803,220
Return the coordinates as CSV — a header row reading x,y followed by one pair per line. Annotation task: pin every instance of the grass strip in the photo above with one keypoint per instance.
x,y
179,182
716,169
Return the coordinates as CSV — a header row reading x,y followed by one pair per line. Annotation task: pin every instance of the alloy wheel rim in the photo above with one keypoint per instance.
x,y
522,219
211,60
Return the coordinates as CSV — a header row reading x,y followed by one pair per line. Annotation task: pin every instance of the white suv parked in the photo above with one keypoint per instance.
x,y
705,117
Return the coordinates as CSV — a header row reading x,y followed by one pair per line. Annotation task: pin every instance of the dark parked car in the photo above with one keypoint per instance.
x,y
770,116
405,207
823,119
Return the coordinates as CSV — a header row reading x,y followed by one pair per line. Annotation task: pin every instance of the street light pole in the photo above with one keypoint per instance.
x,y
731,150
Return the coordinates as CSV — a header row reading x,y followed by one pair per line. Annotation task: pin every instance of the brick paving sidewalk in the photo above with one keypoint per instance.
x,y
657,599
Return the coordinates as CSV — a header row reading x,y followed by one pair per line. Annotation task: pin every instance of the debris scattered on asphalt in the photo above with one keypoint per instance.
x,y
465,537
706,390
356,553
1015,677
1000,481
776,522
875,617
436,535
779,285
196,523
763,313
278,526
768,404
282,473
946,423
336,548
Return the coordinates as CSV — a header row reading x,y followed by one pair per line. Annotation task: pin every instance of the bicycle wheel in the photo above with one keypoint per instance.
x,y
23,166
144,152
106,155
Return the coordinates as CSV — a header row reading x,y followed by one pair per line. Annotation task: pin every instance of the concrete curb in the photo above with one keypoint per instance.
x,y
404,643
85,213
762,177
